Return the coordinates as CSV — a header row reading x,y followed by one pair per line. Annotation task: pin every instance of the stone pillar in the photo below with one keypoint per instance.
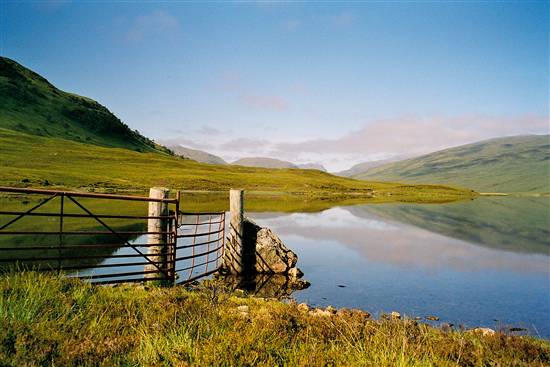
x,y
239,256
158,252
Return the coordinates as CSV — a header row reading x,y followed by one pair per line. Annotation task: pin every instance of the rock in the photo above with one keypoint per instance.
x,y
319,312
418,318
264,285
483,331
344,312
272,256
432,318
295,273
395,315
243,310
303,307
446,327
360,313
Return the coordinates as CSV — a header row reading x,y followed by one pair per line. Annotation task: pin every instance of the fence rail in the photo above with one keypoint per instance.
x,y
84,236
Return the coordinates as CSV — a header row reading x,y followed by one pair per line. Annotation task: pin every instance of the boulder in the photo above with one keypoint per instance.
x,y
272,256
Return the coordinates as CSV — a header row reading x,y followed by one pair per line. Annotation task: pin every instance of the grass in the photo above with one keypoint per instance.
x,y
49,320
38,161
30,104
512,164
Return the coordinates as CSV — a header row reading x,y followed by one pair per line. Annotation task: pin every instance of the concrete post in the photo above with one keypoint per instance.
x,y
157,252
239,254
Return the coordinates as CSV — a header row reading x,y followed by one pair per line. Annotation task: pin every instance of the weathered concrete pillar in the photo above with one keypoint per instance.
x,y
239,254
157,252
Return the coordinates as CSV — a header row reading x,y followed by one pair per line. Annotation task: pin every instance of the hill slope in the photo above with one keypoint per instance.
x,y
263,162
30,104
362,168
197,155
30,160
511,164
316,166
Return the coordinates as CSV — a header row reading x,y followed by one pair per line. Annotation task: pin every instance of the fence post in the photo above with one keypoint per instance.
x,y
239,254
157,251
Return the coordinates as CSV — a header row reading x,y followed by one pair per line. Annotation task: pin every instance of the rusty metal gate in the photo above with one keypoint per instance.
x,y
104,238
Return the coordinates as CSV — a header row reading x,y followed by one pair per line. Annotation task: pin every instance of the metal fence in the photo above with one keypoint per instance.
x,y
104,238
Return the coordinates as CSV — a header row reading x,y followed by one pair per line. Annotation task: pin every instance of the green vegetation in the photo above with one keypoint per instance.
x,y
264,162
50,138
37,161
514,164
30,104
49,320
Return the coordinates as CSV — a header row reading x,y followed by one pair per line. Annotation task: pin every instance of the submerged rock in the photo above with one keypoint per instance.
x,y
265,285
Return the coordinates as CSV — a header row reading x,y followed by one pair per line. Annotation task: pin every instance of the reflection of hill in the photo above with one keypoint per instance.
x,y
73,247
508,223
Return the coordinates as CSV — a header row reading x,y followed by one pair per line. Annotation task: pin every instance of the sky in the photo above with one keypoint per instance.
x,y
336,83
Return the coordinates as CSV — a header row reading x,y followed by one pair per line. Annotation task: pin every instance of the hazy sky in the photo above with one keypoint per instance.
x,y
333,82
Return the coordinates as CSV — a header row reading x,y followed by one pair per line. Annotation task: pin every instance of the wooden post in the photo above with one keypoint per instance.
x,y
234,247
157,253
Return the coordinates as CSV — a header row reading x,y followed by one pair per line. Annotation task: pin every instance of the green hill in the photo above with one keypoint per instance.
x,y
197,155
57,139
511,164
36,161
263,162
30,104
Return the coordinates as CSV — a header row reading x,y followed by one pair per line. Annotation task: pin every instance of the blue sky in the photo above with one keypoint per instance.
x,y
332,82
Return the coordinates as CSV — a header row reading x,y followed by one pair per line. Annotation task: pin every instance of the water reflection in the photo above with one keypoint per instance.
x,y
479,263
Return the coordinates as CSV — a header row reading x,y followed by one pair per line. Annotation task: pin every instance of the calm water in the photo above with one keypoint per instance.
x,y
479,263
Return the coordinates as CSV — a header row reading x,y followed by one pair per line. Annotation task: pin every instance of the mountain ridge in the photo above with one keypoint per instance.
x,y
29,103
197,155
505,164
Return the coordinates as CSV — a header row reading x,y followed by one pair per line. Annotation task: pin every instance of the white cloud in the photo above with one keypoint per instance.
x,y
376,140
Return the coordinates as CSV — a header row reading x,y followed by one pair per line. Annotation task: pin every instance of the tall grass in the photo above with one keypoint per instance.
x,y
49,320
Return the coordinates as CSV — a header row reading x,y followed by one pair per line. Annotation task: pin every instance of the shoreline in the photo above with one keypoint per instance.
x,y
54,320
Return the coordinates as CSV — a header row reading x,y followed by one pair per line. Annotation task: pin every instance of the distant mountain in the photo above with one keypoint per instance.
x,y
197,155
361,168
263,162
30,104
316,166
511,164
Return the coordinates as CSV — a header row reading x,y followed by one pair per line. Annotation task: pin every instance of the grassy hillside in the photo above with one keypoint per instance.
x,y
30,160
30,104
318,166
363,167
48,320
264,162
512,164
197,155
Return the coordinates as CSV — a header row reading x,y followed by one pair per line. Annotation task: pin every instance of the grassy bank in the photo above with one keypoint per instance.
x,y
39,161
46,320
